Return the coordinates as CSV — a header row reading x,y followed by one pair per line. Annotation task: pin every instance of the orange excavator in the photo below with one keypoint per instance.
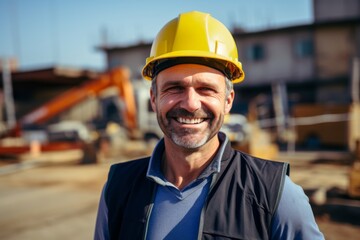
x,y
118,78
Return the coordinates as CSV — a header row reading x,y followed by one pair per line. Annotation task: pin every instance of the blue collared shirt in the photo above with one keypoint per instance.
x,y
176,213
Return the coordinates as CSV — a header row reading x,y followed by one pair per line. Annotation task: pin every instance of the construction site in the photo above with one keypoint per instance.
x,y
61,128
50,189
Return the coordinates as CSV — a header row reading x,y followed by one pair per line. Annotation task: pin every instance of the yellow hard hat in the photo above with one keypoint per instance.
x,y
198,38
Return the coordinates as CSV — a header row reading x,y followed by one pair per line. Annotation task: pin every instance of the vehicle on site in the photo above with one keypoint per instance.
x,y
312,124
236,127
44,128
354,146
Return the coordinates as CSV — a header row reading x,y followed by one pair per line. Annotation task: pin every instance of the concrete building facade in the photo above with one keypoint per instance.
x,y
312,62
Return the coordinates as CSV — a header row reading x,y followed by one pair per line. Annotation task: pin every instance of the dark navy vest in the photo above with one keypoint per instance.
x,y
240,204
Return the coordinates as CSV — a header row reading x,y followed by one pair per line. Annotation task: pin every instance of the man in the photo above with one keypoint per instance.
x,y
195,186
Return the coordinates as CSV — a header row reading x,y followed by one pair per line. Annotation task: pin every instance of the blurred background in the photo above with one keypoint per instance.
x,y
73,102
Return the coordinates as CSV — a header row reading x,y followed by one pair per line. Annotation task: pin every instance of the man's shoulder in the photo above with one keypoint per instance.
x,y
294,218
131,163
122,175
261,164
128,168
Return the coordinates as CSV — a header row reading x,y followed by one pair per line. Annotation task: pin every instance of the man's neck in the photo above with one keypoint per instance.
x,y
182,166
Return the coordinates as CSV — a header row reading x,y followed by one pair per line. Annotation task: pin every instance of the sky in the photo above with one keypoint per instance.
x,y
43,33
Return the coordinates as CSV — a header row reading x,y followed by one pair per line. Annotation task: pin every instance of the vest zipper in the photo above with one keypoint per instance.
x,y
284,172
201,224
148,213
282,182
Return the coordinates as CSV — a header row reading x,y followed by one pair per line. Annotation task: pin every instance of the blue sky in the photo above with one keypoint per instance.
x,y
42,33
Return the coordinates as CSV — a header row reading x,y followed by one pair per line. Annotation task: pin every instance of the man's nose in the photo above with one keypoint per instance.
x,y
190,100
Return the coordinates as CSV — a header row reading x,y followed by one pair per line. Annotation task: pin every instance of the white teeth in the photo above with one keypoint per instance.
x,y
189,121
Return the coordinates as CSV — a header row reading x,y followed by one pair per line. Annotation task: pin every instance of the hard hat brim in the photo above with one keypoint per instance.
x,y
231,68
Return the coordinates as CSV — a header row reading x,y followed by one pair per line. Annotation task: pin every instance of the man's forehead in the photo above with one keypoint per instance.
x,y
189,72
198,80
189,69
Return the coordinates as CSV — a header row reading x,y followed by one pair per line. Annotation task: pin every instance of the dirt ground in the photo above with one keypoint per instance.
x,y
59,200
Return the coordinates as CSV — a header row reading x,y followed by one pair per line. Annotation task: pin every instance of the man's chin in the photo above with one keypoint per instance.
x,y
189,142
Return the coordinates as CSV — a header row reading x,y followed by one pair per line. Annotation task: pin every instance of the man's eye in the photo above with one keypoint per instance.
x,y
207,89
174,89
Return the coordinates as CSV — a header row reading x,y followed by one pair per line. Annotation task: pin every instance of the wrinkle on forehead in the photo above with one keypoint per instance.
x,y
189,74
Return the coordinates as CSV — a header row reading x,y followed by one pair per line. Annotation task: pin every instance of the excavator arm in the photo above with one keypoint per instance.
x,y
118,78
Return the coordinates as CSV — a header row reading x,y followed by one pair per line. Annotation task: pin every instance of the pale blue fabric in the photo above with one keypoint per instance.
x,y
176,214
294,219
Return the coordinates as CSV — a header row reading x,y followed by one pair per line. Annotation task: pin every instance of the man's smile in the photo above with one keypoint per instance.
x,y
183,120
184,117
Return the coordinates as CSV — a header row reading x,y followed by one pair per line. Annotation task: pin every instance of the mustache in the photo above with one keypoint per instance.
x,y
180,112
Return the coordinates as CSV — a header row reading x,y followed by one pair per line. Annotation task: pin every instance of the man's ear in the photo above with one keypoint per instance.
x,y
152,100
229,101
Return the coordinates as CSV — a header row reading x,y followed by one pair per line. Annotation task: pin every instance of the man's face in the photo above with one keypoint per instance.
x,y
190,104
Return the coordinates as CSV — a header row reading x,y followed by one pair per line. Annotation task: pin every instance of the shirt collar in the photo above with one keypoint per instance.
x,y
154,169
